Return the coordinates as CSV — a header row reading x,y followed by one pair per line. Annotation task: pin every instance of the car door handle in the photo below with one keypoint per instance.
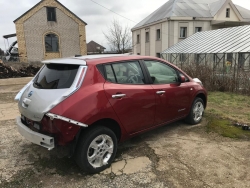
x,y
160,92
118,96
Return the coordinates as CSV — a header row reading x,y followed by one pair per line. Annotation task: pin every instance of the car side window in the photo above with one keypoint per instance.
x,y
109,73
161,73
124,73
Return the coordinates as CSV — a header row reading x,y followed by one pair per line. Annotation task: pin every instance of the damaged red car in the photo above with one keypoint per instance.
x,y
95,102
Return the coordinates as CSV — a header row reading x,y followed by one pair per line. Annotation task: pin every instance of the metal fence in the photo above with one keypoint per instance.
x,y
223,72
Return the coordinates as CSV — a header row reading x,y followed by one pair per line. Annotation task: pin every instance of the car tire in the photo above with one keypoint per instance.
x,y
96,149
196,112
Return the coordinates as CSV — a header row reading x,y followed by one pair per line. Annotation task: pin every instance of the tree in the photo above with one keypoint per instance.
x,y
119,37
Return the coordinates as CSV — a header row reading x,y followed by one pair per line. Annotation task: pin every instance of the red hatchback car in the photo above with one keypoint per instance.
x,y
95,102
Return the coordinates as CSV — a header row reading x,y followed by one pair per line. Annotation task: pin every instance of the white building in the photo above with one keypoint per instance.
x,y
179,19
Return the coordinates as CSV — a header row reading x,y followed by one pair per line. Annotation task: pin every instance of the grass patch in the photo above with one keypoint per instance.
x,y
226,128
230,106
223,110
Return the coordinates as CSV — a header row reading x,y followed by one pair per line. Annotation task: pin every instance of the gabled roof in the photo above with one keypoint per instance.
x,y
40,3
188,8
229,40
245,13
92,46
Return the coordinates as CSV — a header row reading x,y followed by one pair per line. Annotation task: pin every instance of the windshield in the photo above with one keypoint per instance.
x,y
56,76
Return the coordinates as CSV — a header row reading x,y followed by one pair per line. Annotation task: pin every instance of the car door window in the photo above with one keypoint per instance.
x,y
124,73
161,73
109,73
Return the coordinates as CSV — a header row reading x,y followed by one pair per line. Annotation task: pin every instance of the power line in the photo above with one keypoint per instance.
x,y
112,11
129,19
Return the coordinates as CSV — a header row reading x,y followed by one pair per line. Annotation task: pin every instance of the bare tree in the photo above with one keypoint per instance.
x,y
119,37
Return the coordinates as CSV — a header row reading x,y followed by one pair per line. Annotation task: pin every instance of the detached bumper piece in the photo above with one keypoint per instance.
x,y
54,116
34,137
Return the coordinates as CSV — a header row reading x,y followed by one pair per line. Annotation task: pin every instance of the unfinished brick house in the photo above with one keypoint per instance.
x,y
49,30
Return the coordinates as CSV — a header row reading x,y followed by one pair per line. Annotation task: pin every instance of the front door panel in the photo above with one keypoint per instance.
x,y
132,100
133,104
172,102
172,97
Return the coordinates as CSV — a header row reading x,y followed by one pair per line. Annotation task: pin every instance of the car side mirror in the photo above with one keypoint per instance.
x,y
182,79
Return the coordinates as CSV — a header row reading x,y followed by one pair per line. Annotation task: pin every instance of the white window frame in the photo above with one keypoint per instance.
x,y
138,38
183,32
158,34
197,29
147,36
228,13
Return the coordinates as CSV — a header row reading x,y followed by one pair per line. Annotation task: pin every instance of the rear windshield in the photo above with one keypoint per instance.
x,y
56,76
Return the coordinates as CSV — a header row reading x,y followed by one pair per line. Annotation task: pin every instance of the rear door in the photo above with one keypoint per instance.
x,y
172,97
132,100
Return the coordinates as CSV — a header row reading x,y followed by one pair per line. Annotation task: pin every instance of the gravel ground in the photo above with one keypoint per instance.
x,y
176,155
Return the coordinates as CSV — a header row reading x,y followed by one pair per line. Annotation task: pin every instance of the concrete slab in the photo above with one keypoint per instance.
x,y
129,166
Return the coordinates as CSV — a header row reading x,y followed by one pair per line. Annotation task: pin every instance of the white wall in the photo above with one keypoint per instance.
x,y
143,42
152,40
134,34
164,38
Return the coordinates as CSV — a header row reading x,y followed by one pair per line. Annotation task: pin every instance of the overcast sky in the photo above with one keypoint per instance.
x,y
97,17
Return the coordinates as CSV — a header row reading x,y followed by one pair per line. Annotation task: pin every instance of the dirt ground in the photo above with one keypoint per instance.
x,y
176,155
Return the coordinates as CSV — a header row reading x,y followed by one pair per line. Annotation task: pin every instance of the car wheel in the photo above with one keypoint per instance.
x,y
96,149
195,115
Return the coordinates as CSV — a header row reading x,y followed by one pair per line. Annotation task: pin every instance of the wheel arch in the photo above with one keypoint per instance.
x,y
203,97
108,123
111,124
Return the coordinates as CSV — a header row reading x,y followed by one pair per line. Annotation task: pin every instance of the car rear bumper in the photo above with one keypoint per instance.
x,y
34,137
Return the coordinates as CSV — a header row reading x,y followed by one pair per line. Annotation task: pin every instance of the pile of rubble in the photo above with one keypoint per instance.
x,y
10,71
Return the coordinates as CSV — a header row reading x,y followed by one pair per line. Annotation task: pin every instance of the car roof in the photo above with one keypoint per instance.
x,y
95,59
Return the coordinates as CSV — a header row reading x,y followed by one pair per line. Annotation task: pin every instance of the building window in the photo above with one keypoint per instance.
x,y
147,36
138,54
51,43
183,32
198,29
228,12
51,14
138,39
158,55
158,34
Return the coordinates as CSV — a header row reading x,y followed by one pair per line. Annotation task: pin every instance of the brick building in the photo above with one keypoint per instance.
x,y
49,30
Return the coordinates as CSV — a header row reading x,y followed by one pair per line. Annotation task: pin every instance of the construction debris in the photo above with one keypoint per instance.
x,y
7,71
